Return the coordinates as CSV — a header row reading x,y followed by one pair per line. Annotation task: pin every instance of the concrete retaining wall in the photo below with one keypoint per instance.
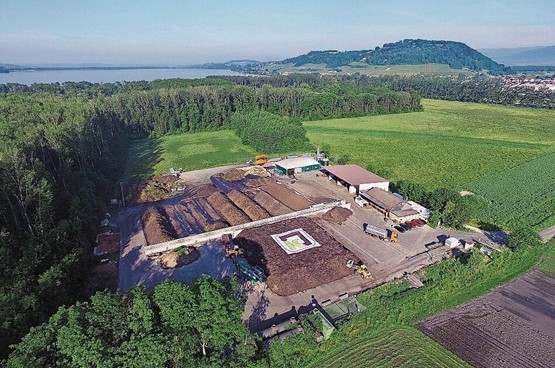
x,y
201,239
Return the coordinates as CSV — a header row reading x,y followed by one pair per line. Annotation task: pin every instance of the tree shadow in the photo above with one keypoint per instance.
x,y
142,157
258,314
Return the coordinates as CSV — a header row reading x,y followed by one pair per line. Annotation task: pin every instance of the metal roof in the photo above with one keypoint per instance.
x,y
291,163
380,197
354,174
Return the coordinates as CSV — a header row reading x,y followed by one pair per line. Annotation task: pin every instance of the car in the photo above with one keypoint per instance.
x,y
399,228
414,223
420,222
406,226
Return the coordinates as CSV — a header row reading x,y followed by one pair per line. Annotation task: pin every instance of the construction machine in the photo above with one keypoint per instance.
x,y
231,250
260,159
359,269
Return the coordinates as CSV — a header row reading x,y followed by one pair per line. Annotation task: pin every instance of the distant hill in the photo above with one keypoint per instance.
x,y
407,52
542,55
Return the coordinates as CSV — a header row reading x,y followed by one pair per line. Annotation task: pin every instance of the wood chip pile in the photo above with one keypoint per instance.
x,y
272,205
337,215
227,210
286,196
292,273
247,205
157,226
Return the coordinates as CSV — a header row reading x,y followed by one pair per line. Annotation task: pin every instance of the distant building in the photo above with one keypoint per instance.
x,y
296,165
355,178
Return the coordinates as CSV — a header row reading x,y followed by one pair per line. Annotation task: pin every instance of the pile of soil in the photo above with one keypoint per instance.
x,y
215,226
272,205
157,226
337,215
232,175
257,182
205,190
151,189
293,273
287,196
174,259
107,243
247,205
227,210
256,170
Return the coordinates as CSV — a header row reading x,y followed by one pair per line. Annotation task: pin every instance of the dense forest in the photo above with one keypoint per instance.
x,y
63,147
406,52
176,325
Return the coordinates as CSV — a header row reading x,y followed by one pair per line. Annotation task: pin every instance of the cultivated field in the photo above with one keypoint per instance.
x,y
448,144
522,194
513,326
396,347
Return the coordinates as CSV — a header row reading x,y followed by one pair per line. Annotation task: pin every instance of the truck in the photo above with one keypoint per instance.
x,y
382,234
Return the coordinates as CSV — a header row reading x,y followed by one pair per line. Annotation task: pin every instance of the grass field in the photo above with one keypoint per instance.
x,y
396,347
446,145
365,69
191,151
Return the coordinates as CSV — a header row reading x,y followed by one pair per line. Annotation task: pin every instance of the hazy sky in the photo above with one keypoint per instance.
x,y
181,32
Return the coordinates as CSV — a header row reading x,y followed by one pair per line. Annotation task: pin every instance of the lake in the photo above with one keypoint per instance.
x,y
107,76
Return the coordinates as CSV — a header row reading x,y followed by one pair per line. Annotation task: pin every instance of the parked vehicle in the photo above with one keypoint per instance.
x,y
405,226
380,233
399,228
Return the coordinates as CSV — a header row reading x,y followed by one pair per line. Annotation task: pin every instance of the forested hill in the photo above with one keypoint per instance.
x,y
407,52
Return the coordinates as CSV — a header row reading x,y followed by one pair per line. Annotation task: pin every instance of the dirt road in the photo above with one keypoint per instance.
x,y
548,234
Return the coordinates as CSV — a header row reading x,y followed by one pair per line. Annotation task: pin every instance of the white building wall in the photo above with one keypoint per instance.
x,y
383,185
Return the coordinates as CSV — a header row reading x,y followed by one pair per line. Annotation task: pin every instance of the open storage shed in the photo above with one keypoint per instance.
x,y
296,165
355,178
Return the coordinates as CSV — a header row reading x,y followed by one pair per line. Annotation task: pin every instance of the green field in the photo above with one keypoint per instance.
x,y
365,69
522,194
395,347
190,151
446,145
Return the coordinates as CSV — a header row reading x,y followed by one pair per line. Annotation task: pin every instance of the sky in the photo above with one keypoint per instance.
x,y
172,32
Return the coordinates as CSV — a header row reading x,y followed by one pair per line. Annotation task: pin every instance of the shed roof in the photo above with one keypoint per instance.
x,y
354,174
291,163
381,198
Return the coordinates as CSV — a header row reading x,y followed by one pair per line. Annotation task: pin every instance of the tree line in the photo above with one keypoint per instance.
x,y
480,90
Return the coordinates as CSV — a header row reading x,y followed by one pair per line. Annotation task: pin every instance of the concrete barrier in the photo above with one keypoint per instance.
x,y
201,239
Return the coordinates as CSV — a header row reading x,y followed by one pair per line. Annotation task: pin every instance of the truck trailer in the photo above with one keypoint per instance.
x,y
382,234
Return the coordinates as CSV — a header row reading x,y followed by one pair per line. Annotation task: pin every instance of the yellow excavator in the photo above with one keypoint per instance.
x,y
359,268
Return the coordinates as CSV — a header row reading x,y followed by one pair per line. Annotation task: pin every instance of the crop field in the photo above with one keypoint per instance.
x,y
189,151
512,326
447,145
522,194
427,69
395,347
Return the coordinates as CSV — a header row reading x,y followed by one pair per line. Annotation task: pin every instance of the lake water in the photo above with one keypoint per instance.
x,y
107,76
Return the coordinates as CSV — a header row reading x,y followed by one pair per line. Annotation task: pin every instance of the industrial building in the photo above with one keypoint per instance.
x,y
391,206
296,165
355,178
